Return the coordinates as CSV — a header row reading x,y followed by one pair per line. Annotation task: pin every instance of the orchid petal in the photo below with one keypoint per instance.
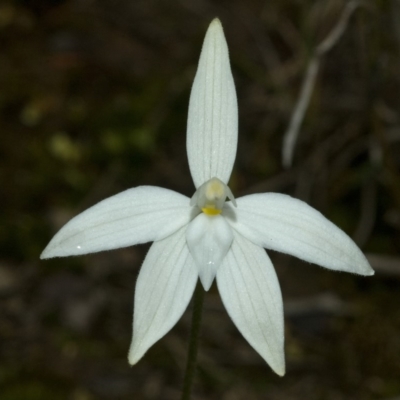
x,y
138,215
212,127
251,294
164,288
279,222
209,239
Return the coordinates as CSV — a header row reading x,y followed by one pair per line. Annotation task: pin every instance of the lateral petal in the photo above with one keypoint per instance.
x,y
209,239
212,127
279,222
163,291
251,294
137,215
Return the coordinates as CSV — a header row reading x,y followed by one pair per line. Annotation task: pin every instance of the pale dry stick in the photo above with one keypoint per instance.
x,y
368,212
291,134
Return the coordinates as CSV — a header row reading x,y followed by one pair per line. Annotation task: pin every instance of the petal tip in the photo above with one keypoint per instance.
x,y
279,369
278,364
133,357
216,22
215,29
365,269
206,283
371,272
46,253
54,249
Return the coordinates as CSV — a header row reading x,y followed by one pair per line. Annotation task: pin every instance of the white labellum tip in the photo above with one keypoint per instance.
x,y
208,239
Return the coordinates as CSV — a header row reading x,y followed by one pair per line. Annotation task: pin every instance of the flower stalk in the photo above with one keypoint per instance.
x,y
191,363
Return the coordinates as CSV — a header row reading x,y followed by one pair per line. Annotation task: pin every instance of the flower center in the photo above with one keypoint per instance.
x,y
210,197
211,210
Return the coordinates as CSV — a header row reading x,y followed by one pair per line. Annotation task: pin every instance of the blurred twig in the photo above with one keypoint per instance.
x,y
291,134
368,206
385,265
324,303
368,212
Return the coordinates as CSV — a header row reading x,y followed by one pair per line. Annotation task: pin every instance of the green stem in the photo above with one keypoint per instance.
x,y
193,342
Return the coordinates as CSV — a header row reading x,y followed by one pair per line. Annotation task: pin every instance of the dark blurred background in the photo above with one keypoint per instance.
x,y
93,100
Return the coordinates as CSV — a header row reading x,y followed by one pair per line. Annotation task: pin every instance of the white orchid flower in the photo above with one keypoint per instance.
x,y
207,236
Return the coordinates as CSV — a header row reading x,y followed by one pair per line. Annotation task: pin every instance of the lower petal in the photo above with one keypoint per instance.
x,y
251,294
163,291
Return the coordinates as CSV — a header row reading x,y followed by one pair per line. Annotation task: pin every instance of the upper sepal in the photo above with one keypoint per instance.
x,y
212,127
